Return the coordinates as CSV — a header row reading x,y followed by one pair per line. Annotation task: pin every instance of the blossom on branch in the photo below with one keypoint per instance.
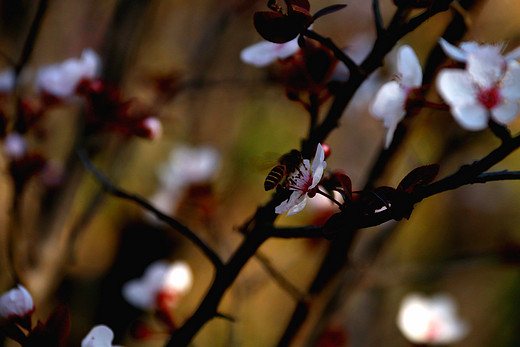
x,y
62,79
489,87
303,182
16,303
432,320
390,103
264,53
161,281
99,336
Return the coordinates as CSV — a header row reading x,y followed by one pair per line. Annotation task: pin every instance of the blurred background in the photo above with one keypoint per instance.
x,y
182,60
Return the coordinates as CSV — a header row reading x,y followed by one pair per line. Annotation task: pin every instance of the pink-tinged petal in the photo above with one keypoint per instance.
x,y
513,55
408,67
456,87
319,157
17,302
295,199
486,66
471,117
318,166
452,51
265,53
510,89
389,102
506,112
99,336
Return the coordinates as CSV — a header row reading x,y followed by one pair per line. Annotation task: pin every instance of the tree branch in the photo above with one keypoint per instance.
x,y
120,193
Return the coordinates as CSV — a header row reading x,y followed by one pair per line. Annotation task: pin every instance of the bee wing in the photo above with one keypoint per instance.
x,y
264,162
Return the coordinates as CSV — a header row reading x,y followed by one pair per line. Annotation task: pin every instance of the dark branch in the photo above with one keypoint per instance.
x,y
181,228
378,19
338,53
310,231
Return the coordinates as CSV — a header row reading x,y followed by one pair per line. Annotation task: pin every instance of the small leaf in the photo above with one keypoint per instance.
x,y
300,3
418,177
346,183
328,10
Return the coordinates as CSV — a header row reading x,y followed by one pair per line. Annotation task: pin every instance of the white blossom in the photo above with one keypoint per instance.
x,y
15,146
264,53
99,336
302,182
62,79
489,87
390,101
16,303
432,320
160,277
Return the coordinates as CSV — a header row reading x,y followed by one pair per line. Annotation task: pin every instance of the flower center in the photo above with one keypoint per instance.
x,y
489,98
301,180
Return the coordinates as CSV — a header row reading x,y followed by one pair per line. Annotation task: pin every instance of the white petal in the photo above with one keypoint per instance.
x,y
299,206
179,277
265,53
99,336
486,66
17,302
506,112
513,55
294,200
511,83
142,292
318,166
409,67
7,80
389,103
471,117
452,51
456,87
390,134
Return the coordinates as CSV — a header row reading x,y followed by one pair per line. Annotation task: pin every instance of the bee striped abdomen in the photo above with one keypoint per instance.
x,y
274,177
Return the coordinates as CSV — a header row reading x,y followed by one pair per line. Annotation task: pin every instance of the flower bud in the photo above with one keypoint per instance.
x,y
16,303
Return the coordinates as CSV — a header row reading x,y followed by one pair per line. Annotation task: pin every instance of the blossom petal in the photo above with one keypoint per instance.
x,y
390,134
452,51
513,55
506,112
99,336
486,66
511,83
299,206
471,117
17,302
456,87
294,200
389,103
265,53
318,166
409,67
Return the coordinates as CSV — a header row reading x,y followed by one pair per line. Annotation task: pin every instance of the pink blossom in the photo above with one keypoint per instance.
x,y
302,182
489,87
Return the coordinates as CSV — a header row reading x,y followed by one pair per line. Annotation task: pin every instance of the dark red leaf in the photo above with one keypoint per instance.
x,y
346,183
328,10
300,3
418,177
58,323
275,27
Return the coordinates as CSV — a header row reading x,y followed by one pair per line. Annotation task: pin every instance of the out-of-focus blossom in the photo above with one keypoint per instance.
x,y
153,127
264,53
430,320
62,79
489,87
159,280
7,80
302,182
390,101
16,303
99,336
15,146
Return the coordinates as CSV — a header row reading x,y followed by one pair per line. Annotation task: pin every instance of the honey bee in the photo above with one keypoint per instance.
x,y
288,163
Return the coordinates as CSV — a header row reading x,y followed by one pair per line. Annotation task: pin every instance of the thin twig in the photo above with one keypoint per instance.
x,y
181,228
378,19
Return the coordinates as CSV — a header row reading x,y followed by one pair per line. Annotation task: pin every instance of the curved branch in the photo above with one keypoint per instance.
x,y
120,193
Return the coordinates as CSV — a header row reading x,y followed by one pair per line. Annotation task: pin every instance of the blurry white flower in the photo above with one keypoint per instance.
x,y
264,53
159,278
62,79
99,336
489,87
302,182
16,303
7,80
15,146
430,320
390,101
153,127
